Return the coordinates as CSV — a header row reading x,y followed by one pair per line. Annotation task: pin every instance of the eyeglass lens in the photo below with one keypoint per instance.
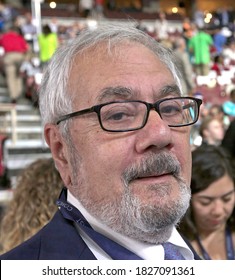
x,y
129,115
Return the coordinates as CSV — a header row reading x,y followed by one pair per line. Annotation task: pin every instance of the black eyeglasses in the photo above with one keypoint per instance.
x,y
122,116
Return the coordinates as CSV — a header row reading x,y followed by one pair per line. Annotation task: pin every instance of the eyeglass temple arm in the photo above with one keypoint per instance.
x,y
75,114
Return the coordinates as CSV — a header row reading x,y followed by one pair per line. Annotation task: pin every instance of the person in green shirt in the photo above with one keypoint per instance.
x,y
48,43
199,46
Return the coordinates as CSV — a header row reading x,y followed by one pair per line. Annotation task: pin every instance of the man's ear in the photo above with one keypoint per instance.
x,y
59,151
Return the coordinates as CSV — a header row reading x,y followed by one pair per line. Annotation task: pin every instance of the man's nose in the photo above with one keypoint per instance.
x,y
156,132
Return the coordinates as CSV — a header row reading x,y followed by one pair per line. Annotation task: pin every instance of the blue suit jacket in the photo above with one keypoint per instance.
x,y
58,240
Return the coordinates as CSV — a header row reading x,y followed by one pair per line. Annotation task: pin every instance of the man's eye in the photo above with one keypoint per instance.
x,y
171,110
117,116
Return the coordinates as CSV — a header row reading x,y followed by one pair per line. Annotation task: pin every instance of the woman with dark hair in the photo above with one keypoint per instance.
x,y
209,223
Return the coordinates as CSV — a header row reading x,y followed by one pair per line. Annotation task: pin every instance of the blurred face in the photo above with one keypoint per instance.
x,y
215,132
135,182
213,206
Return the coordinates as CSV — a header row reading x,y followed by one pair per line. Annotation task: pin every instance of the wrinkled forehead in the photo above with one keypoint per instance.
x,y
107,64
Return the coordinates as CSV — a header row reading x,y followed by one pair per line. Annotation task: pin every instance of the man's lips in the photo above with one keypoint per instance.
x,y
153,176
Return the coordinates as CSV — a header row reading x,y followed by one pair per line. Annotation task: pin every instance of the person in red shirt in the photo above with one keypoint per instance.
x,y
15,48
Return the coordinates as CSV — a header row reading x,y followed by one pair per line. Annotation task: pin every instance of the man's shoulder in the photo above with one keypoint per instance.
x,y
57,240
25,251
31,248
47,238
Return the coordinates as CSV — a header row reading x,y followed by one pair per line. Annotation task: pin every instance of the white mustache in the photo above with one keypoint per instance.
x,y
153,165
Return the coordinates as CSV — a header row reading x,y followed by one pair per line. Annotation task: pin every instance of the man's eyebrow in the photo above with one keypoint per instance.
x,y
125,92
170,89
118,91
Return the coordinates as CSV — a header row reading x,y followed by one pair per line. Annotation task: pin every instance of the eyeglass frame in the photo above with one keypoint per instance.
x,y
149,106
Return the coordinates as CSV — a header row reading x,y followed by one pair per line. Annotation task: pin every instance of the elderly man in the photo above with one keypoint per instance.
x,y
118,130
